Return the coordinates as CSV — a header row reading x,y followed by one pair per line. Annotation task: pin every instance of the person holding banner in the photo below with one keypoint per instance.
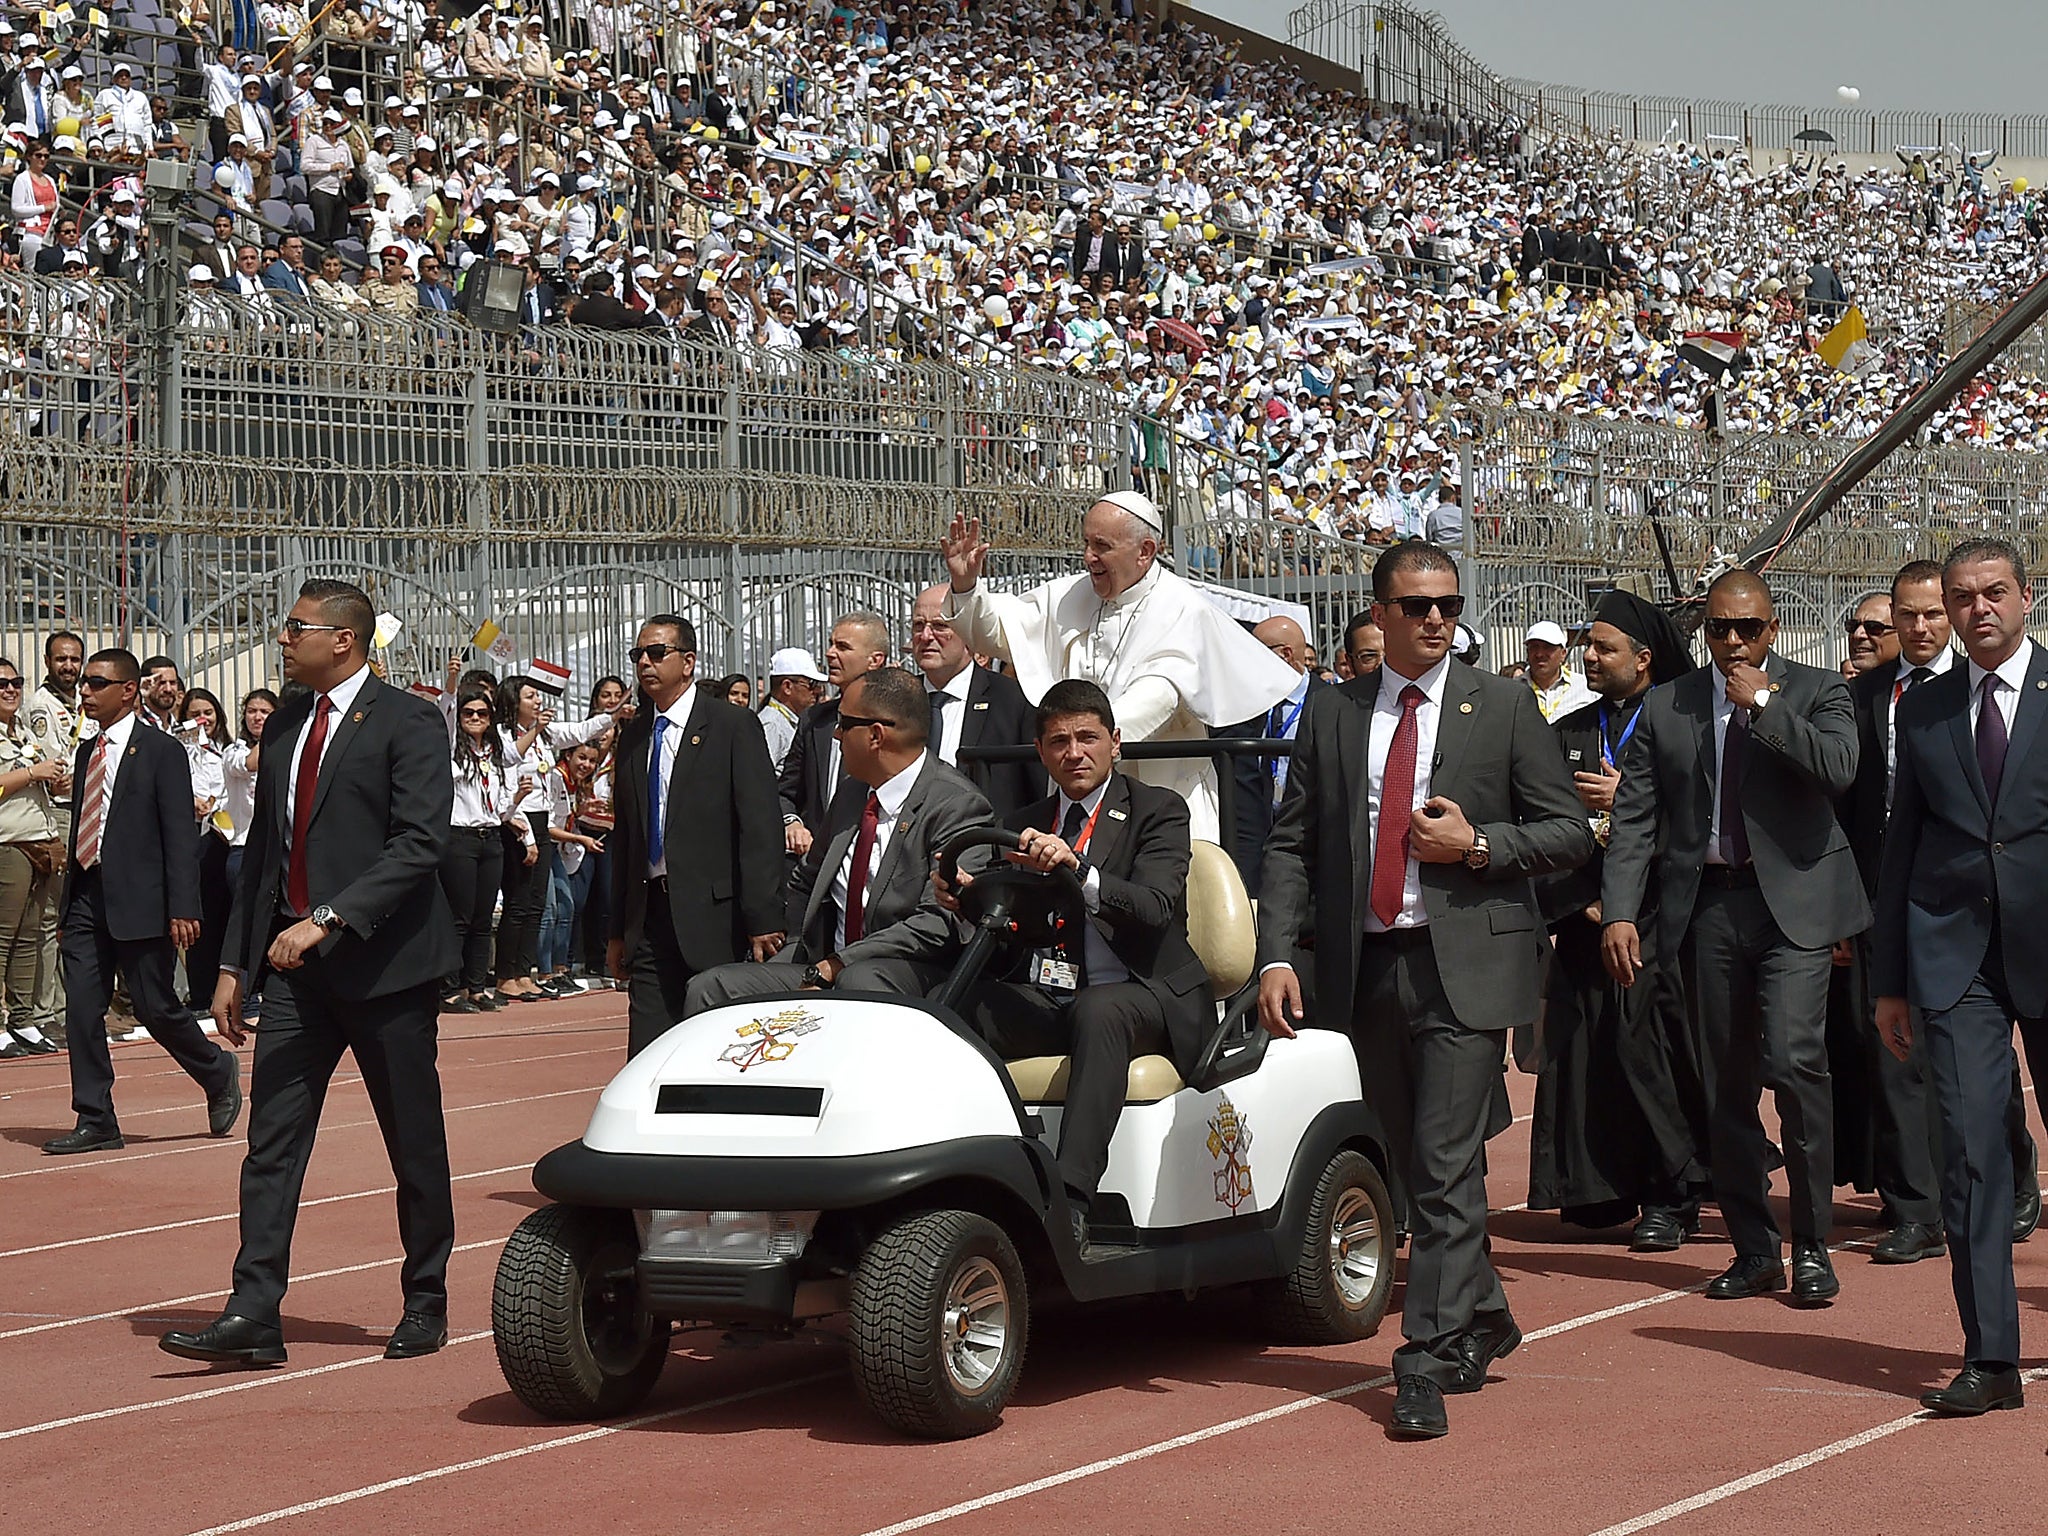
x,y
529,739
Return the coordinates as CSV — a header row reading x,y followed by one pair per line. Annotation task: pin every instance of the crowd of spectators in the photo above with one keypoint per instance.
x,y
1320,295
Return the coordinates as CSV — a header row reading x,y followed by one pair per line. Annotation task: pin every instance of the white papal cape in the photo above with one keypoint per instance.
x,y
1172,663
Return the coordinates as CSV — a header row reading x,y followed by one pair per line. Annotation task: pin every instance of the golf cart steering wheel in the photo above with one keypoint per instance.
x,y
1036,908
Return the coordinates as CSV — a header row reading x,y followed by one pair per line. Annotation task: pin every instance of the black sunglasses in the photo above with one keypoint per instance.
x,y
654,653
1747,629
854,722
10,684
95,684
1875,628
1418,607
480,712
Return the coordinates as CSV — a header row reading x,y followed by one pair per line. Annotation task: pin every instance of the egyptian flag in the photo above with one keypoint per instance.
x,y
1714,353
549,677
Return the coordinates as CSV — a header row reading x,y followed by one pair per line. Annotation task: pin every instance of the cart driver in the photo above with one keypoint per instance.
x,y
1132,985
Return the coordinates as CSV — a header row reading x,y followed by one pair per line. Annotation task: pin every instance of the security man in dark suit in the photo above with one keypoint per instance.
x,y
131,806
1132,985
1259,782
693,791
1727,801
339,905
860,905
811,770
1959,901
1421,800
972,707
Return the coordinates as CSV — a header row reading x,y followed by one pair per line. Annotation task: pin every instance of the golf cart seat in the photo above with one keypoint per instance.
x,y
1221,931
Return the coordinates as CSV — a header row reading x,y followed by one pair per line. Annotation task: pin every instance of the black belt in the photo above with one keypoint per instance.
x,y
1728,877
1402,938
491,831
657,885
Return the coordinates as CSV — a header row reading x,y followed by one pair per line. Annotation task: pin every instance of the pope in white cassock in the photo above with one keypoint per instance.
x,y
1171,661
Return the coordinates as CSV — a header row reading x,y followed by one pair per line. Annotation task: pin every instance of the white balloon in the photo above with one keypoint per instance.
x,y
1849,93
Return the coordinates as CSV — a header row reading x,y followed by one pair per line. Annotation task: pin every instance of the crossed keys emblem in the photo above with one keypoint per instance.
x,y
771,1039
1230,1143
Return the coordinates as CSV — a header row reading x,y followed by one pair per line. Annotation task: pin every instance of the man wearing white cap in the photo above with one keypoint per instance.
x,y
128,132
1172,662
1559,690
795,683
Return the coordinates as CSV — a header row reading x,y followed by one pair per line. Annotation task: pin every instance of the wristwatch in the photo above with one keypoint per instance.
x,y
327,918
1478,856
1761,700
813,977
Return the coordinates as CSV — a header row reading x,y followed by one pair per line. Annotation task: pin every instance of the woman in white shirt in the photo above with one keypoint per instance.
x,y
530,739
594,817
487,816
574,865
202,728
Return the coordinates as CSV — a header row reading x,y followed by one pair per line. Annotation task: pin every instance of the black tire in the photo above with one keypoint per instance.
x,y
572,1340
1338,1291
913,1363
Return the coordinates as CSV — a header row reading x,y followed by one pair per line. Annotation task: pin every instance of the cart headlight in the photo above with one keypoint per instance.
x,y
743,1237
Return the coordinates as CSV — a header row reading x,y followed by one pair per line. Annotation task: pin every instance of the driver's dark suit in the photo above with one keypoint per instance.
x,y
1137,849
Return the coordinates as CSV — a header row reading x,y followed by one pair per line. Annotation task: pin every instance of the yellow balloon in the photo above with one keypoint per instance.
x,y
710,133
922,165
1169,220
2019,185
1245,118
1208,231
67,125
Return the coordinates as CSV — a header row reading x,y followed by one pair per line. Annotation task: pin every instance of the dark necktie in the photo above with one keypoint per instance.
x,y
937,698
857,877
1990,738
1077,947
1397,810
296,887
1734,752
657,801
1071,824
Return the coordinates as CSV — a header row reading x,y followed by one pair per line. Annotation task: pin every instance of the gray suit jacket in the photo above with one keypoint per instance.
x,y
1497,758
1953,866
1803,754
904,921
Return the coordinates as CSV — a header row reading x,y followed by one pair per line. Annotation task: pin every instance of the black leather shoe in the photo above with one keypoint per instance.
x,y
224,1106
1750,1275
1657,1232
459,1005
84,1139
1813,1276
417,1333
1909,1242
228,1340
15,1049
1478,1348
2026,1205
1977,1389
1419,1410
42,1047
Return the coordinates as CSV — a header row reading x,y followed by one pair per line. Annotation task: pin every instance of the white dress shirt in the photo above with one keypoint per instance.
x,y
950,703
116,737
343,697
484,795
1386,718
1103,965
1290,726
2012,677
891,793
1943,660
678,717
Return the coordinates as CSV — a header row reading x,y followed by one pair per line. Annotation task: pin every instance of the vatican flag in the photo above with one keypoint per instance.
x,y
1847,346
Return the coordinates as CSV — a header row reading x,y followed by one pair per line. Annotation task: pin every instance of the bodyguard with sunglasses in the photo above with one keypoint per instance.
x,y
694,798
1727,801
1420,801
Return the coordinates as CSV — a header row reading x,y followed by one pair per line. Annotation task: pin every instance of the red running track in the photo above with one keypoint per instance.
x,y
1634,1405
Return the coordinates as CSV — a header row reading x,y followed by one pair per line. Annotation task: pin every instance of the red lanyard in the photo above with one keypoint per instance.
x,y
1087,831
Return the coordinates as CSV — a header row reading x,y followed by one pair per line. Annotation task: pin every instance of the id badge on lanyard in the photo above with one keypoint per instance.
x,y
1048,968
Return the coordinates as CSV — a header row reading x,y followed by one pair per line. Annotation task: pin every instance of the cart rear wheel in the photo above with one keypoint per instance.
x,y
1345,1273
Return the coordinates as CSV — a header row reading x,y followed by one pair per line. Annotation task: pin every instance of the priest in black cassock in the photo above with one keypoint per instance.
x,y
1620,1122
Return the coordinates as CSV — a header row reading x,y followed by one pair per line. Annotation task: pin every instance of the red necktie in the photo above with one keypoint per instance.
x,y
296,893
92,809
1397,811
857,877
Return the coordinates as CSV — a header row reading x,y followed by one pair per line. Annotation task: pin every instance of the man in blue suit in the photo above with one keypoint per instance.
x,y
287,274
1956,938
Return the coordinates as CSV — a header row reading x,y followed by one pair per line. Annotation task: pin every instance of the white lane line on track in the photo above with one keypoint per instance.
x,y
1791,1464
583,1437
215,1293
1282,1410
203,1221
215,1143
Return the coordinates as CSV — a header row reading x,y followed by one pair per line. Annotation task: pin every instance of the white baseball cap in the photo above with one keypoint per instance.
x,y
794,661
1545,632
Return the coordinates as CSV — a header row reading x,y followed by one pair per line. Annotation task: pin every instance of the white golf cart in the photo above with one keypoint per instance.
x,y
789,1159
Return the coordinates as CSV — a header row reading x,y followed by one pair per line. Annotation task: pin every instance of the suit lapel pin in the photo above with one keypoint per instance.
x,y
1465,708
2042,683
695,739
357,717
1776,686
983,704
903,825
1118,816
